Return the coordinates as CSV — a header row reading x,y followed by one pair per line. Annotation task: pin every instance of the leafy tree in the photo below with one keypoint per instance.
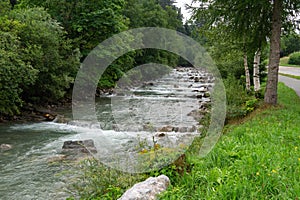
x,y
46,49
253,21
290,43
4,7
271,88
149,13
14,72
88,22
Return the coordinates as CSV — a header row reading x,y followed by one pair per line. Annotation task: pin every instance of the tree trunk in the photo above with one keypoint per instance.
x,y
271,88
256,64
247,73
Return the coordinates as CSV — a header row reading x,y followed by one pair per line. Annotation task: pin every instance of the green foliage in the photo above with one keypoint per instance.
x,y
290,44
149,13
4,7
87,22
239,102
255,160
47,50
294,58
37,61
100,182
14,72
250,105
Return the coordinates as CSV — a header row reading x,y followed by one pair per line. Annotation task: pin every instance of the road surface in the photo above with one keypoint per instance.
x,y
290,82
290,70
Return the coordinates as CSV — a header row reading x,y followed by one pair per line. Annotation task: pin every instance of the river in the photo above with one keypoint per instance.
x,y
161,112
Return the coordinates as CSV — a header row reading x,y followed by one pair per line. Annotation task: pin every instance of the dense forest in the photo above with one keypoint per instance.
x,y
44,42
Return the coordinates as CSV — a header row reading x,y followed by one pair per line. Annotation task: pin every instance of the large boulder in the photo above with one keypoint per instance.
x,y
148,189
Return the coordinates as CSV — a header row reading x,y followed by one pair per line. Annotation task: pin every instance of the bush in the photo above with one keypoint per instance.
x,y
46,49
14,72
237,97
294,58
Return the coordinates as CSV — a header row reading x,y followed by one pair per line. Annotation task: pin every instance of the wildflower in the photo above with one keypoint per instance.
x,y
156,146
274,171
257,173
144,151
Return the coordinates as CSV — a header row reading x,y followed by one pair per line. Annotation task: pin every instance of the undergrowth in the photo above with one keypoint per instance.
x,y
258,159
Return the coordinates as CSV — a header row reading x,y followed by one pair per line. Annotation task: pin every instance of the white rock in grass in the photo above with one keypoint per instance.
x,y
148,189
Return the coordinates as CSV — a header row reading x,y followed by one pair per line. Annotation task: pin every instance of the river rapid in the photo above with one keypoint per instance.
x,y
163,112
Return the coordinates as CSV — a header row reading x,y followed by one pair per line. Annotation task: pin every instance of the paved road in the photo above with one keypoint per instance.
x,y
290,82
290,70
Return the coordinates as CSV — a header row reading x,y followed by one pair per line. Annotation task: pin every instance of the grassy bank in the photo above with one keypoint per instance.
x,y
284,62
291,76
259,159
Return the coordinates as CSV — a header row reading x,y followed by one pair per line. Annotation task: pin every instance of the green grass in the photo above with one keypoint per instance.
x,y
291,76
258,159
284,62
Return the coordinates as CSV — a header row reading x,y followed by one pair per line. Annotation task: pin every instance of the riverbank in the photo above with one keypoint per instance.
x,y
258,159
37,113
46,112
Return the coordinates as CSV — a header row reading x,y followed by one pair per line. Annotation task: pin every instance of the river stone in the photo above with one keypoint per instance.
x,y
166,129
60,119
206,95
148,189
82,146
5,146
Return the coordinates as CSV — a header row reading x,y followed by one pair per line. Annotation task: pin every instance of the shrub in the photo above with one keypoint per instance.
x,y
294,58
237,97
46,49
14,73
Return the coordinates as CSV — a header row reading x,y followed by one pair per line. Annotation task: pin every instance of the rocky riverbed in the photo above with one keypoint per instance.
x,y
142,129
152,124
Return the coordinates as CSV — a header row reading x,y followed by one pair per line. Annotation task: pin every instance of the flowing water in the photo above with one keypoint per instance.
x,y
157,113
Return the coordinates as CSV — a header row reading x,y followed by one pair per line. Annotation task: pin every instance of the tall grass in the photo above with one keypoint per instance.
x,y
259,159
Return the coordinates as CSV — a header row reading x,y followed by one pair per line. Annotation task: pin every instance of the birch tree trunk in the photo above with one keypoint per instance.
x,y
256,63
271,88
247,73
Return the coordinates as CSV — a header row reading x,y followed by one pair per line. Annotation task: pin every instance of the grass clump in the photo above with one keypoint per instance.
x,y
239,101
99,182
259,159
291,76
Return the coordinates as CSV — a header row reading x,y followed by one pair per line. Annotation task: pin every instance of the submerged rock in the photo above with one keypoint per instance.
x,y
148,189
166,129
80,146
57,158
60,119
